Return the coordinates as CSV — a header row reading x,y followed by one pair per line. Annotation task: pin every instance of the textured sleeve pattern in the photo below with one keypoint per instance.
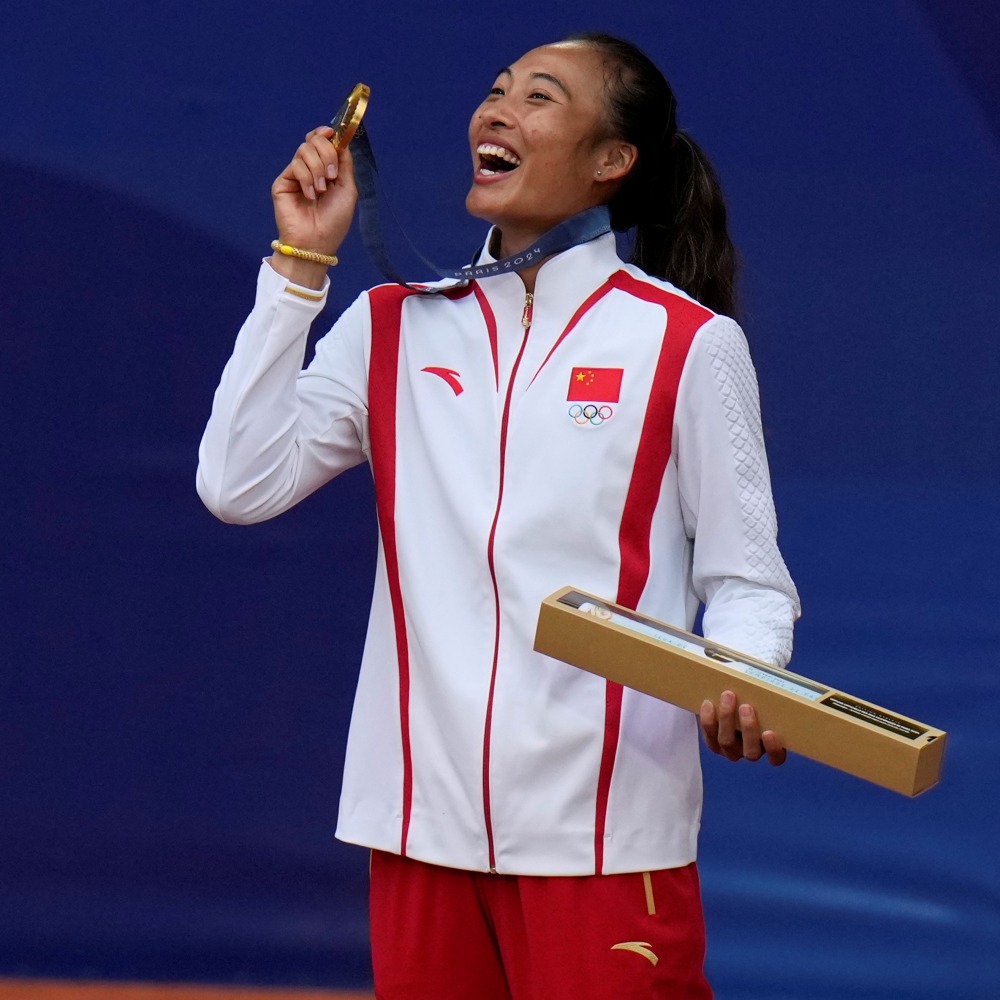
x,y
276,433
751,602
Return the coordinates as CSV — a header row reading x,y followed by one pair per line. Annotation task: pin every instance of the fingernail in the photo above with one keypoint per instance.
x,y
746,712
321,183
331,171
310,193
706,705
728,699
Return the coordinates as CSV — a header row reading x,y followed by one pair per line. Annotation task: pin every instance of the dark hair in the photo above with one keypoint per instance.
x,y
671,196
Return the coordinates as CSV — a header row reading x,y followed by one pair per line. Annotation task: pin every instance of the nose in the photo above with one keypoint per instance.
x,y
495,114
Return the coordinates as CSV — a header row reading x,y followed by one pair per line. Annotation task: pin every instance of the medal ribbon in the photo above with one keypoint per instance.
x,y
580,228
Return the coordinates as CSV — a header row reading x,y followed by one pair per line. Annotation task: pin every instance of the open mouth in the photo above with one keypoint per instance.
x,y
496,160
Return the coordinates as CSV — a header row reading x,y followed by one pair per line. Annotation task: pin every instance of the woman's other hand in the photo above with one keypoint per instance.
x,y
733,731
314,200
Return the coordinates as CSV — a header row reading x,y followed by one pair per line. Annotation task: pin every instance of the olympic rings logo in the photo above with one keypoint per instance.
x,y
590,414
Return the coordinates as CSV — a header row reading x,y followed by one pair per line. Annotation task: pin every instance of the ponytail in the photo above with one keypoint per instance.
x,y
671,198
690,247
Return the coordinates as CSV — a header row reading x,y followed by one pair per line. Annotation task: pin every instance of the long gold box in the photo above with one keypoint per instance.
x,y
820,722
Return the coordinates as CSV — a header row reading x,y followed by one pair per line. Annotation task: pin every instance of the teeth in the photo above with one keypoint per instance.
x,y
489,149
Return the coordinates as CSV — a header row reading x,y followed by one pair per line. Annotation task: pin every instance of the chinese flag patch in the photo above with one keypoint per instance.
x,y
595,385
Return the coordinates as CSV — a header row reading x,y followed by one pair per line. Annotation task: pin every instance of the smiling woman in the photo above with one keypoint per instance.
x,y
547,815
604,119
541,149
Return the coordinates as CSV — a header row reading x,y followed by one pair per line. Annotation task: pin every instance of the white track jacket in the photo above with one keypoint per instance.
x,y
606,435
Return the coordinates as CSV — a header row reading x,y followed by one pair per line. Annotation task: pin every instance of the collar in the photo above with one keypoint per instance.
x,y
575,272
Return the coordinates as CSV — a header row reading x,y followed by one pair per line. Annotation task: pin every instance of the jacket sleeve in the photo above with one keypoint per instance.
x,y
725,489
277,433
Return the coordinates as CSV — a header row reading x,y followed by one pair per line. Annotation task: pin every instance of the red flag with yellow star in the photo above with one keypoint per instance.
x,y
595,385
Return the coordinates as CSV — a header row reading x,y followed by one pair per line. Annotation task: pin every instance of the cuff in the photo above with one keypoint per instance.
x,y
272,285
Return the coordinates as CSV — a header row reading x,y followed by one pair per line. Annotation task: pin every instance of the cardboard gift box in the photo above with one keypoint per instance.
x,y
812,719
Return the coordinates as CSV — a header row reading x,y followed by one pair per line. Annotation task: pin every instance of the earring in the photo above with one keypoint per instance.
x,y
598,173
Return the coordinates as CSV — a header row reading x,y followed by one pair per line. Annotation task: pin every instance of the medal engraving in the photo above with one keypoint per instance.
x,y
347,119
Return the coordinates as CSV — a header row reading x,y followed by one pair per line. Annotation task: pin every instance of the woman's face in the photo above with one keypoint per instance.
x,y
538,141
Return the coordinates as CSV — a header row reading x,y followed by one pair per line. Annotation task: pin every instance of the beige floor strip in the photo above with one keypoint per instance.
x,y
44,989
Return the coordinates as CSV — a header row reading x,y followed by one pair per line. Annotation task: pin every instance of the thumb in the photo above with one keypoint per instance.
x,y
345,168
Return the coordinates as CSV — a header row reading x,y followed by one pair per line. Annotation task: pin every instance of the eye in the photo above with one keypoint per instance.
x,y
539,96
497,91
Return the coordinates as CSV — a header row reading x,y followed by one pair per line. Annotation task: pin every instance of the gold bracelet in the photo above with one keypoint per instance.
x,y
310,255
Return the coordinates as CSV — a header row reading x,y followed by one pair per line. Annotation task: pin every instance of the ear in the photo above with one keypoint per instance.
x,y
616,159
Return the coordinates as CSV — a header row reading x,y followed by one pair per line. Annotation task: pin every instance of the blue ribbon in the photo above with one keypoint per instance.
x,y
580,228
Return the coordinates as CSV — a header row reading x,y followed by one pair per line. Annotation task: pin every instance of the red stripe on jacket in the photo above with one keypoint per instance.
x,y
386,302
682,320
383,374
491,329
588,303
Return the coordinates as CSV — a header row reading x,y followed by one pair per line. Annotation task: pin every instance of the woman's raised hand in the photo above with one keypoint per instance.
x,y
314,200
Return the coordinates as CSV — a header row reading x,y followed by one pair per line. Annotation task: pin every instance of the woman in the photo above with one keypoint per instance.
x,y
533,827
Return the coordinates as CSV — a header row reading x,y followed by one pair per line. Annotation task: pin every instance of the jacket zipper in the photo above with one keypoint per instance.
x,y
526,317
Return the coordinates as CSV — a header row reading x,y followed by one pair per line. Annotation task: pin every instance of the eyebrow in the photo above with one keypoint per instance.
x,y
539,76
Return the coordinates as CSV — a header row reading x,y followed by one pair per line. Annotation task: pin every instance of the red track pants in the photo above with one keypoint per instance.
x,y
447,934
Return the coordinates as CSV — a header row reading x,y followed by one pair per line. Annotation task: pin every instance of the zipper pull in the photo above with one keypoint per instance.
x,y
529,303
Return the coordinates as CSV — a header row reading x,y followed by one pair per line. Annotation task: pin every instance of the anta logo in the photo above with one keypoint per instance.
x,y
449,375
640,948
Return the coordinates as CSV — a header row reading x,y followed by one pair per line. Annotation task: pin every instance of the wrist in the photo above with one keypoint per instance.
x,y
315,256
307,273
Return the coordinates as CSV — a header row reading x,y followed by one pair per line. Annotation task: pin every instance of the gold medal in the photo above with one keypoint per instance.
x,y
346,121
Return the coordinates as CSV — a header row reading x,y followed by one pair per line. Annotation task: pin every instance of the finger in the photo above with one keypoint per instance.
x,y
295,179
346,167
309,154
776,753
710,726
750,727
327,153
729,737
324,130
301,175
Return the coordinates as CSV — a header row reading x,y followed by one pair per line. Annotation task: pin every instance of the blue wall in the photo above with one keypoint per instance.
x,y
175,692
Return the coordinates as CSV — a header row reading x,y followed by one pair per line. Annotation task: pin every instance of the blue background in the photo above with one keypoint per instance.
x,y
175,692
